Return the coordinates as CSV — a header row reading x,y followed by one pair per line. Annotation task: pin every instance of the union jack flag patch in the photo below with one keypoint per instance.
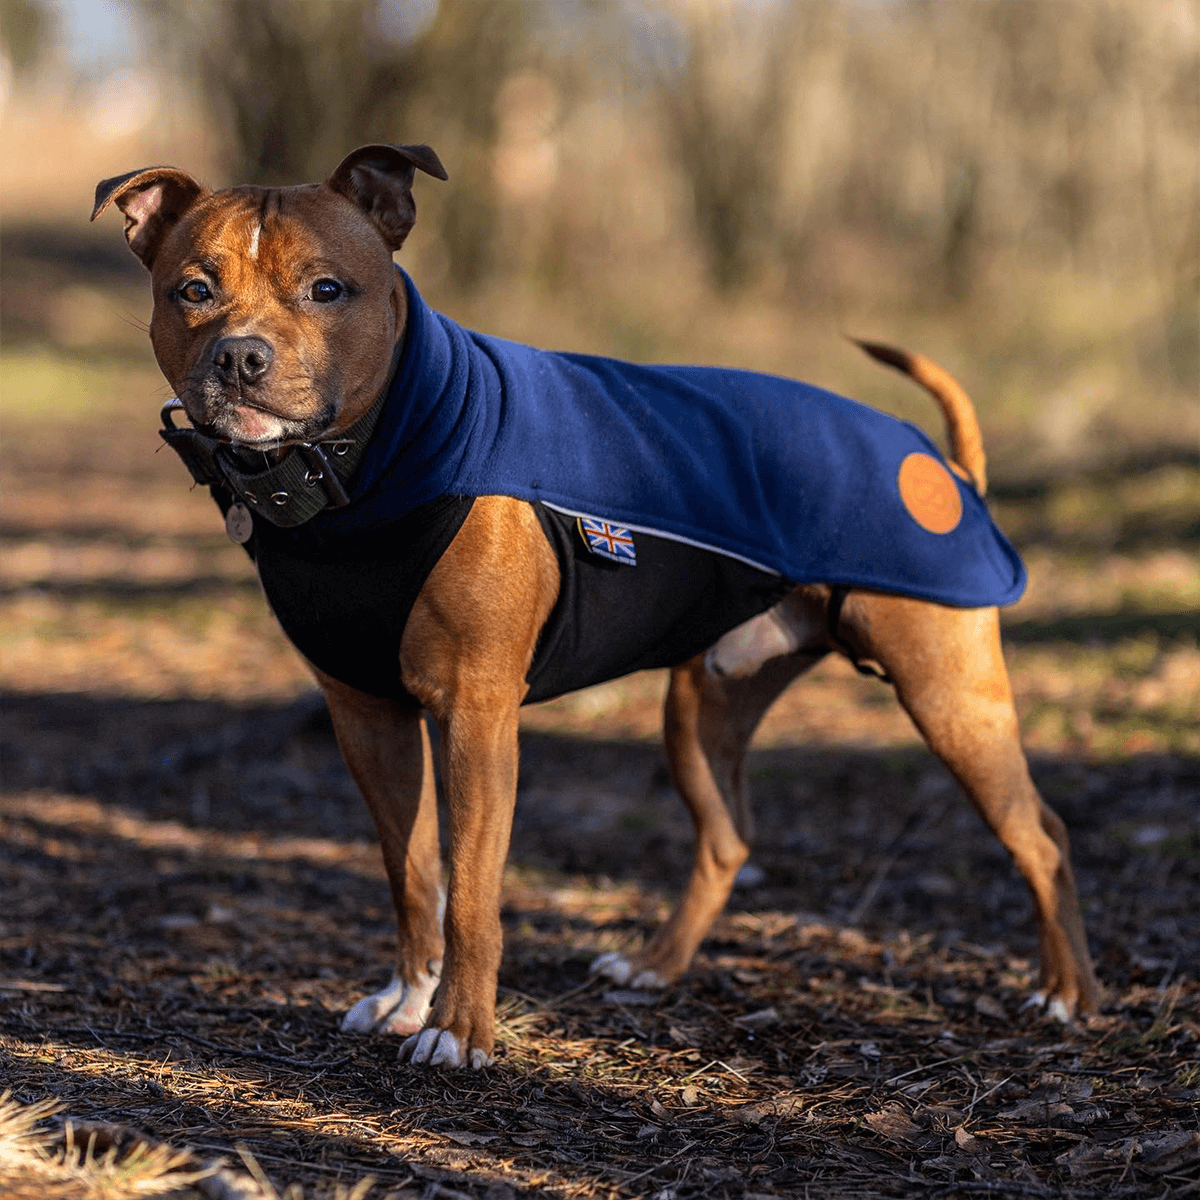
x,y
607,540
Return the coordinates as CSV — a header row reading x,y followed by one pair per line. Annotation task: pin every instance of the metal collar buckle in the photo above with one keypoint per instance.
x,y
321,470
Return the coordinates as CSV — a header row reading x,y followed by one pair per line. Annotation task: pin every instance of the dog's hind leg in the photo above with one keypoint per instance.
x,y
948,668
708,723
386,746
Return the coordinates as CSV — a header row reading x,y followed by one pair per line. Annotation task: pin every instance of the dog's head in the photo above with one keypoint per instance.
x,y
277,311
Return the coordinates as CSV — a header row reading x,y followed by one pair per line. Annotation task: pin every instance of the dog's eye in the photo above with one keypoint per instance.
x,y
195,291
325,290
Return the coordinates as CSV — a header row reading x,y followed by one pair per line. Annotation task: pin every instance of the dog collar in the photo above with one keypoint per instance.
x,y
309,478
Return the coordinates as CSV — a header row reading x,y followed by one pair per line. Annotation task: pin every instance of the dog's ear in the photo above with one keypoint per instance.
x,y
152,199
379,180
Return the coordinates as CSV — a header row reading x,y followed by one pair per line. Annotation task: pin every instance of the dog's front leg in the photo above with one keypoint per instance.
x,y
465,653
479,763
386,746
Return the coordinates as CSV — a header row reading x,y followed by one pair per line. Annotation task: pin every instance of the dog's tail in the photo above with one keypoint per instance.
x,y
966,442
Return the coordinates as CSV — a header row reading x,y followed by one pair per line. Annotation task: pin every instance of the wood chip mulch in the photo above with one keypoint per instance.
x,y
192,897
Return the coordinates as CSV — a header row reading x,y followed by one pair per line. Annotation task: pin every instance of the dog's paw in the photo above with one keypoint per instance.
x,y
620,970
401,1007
1055,1007
440,1048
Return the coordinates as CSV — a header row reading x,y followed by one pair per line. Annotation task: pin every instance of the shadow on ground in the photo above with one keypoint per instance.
x,y
192,896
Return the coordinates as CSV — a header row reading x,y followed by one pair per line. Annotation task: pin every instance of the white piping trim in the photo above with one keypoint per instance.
x,y
671,537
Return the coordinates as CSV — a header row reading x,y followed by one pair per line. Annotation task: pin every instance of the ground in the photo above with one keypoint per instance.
x,y
193,894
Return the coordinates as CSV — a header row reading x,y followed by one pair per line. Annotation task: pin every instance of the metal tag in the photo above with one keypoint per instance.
x,y
239,523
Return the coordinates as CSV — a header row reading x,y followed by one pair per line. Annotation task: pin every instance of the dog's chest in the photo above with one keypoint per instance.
x,y
344,602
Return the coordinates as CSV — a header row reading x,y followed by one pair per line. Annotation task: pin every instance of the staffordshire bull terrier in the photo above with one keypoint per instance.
x,y
450,523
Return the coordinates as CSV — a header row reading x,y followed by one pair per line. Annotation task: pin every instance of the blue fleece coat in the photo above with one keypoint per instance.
x,y
785,477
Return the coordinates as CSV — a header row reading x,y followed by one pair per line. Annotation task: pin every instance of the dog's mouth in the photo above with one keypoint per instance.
x,y
247,420
253,424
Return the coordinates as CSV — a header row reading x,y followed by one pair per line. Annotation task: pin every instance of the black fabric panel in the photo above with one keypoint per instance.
x,y
612,619
344,600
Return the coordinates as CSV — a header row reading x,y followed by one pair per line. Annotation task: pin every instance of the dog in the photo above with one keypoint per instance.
x,y
449,523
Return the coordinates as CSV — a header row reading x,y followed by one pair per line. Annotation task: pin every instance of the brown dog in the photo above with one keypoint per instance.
x,y
279,319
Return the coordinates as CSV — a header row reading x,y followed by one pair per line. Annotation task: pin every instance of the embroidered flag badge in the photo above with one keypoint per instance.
x,y
608,541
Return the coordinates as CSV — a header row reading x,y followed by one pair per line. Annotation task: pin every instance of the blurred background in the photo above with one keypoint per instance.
x,y
1010,186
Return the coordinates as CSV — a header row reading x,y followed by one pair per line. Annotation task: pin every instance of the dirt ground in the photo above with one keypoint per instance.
x,y
192,894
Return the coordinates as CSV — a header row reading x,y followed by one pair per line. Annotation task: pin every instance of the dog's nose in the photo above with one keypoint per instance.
x,y
242,358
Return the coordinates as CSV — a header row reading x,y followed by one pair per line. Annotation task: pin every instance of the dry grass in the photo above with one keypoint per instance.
x,y
89,1165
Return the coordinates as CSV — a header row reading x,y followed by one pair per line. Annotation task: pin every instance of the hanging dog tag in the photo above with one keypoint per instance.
x,y
239,523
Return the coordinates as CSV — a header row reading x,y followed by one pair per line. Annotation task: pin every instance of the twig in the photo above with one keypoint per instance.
x,y
937,1062
265,1056
917,823
659,1165
971,1106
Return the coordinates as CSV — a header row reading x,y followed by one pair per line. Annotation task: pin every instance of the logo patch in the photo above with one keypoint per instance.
x,y
608,541
929,493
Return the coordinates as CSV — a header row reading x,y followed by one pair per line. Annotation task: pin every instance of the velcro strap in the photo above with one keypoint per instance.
x,y
833,617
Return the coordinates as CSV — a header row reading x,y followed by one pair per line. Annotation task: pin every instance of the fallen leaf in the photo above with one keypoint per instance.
x,y
1038,1108
894,1124
1171,1151
748,1114
630,998
763,1019
967,1141
1161,1153
1093,1158
989,1006
755,1114
466,1138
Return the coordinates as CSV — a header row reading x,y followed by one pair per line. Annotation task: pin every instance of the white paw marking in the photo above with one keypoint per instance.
x,y
743,650
446,1051
620,970
648,979
253,250
1059,1011
612,966
420,1046
401,1007
1056,1008
440,1048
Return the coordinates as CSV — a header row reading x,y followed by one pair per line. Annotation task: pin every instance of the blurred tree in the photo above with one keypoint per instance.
x,y
752,112
721,104
25,31
826,147
292,87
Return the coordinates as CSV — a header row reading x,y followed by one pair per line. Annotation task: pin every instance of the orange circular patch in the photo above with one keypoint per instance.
x,y
929,493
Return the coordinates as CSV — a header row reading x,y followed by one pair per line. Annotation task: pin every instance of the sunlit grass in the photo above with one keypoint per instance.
x,y
41,387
